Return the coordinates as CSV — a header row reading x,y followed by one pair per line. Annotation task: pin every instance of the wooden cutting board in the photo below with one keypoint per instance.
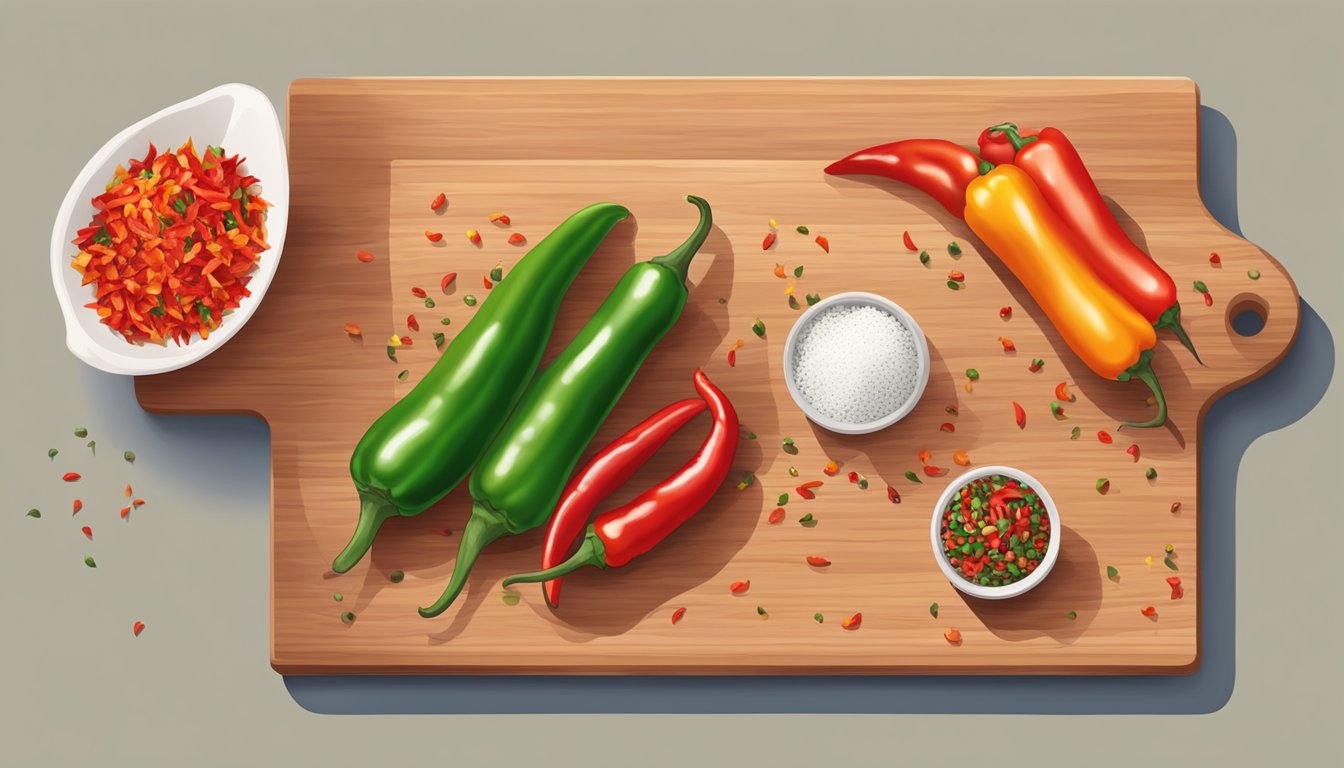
x,y
368,155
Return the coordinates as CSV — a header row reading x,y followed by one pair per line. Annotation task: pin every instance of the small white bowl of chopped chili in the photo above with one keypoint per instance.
x,y
169,237
995,532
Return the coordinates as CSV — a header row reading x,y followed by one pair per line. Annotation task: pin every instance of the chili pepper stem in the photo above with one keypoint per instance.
x,y
1172,319
679,259
1016,139
591,552
484,526
1143,371
374,509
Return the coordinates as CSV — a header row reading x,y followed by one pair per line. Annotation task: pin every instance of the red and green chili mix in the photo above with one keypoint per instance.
x,y
995,531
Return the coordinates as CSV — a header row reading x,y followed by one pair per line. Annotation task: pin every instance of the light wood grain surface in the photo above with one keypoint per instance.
x,y
367,156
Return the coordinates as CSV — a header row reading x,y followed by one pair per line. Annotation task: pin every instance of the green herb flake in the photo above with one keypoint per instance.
x,y
972,374
1167,561
789,447
746,482
439,340
396,577
1056,409
445,321
807,521
758,328
912,477
34,512
51,453
803,231
924,258
953,285
1201,287
1076,433
749,436
798,271
760,610
863,483
793,471
429,302
391,353
813,298
783,499
497,273
1112,572
88,560
1150,473
817,617
933,610
348,617
93,447
81,432
146,174
1254,274
793,303
469,300
337,596
1072,615
953,249
230,223
404,373
511,597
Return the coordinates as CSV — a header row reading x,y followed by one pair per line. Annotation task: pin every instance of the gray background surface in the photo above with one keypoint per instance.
x,y
195,689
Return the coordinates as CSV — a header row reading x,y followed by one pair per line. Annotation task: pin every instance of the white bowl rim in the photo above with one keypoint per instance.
x,y
858,298
1016,588
77,340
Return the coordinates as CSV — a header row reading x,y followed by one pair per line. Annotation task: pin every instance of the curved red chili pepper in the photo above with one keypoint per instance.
x,y
601,476
940,168
620,535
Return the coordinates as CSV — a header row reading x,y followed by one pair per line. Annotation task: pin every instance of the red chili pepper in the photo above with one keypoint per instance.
x,y
947,426
447,281
1019,415
70,477
893,495
1177,591
776,516
768,241
824,243
805,490
407,341
677,614
517,239
738,587
1104,437
908,241
438,201
433,237
1005,312
940,168
817,561
474,237
953,636
418,293
1059,172
1036,365
618,536
1133,450
995,147
125,512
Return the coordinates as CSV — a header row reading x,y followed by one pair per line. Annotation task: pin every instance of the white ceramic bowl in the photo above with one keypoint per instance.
x,y
237,117
1016,588
857,298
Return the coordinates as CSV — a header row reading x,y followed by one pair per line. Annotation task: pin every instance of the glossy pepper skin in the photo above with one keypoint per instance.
x,y
1053,163
995,146
424,445
520,476
1007,211
620,535
601,476
935,166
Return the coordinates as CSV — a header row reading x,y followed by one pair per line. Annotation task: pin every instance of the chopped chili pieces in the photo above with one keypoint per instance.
x,y
831,469
418,292
1148,610
89,561
1076,433
802,230
88,532
893,495
817,617
824,243
768,241
1005,312
1112,572
776,516
412,323
1019,415
433,237
473,237
1057,410
1036,365
70,477
1133,450
34,513
364,256
125,512
933,471
1103,486
953,636
961,458
758,328
807,521
1208,300
1062,392
947,426
517,239
924,258
1104,437
817,561
798,271
912,477
485,281
779,271
78,505
908,241
1177,591
677,614
1150,473
1215,259
499,217
353,329
447,281
953,249
805,490
933,610
853,622
738,587
137,628
438,201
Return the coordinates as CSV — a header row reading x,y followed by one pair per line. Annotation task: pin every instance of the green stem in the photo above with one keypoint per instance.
x,y
1172,319
1143,371
590,552
985,167
484,526
374,509
679,260
1016,139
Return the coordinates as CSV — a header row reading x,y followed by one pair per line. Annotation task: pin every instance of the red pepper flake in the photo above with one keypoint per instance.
x,y
818,561
499,217
485,281
1133,450
1208,299
125,512
947,426
1036,365
732,358
961,458
1177,591
128,490
447,281
1062,392
1019,415
1215,259
353,329
768,241
433,237
776,516
407,341
88,532
1148,610
412,323
933,471
953,636
956,276
893,495
677,614
419,293
1008,345
78,506
925,456
831,469
137,628
438,201
824,243
364,256
517,239
853,477
138,502
1104,437
474,237
1005,312
445,531
779,271
853,622
70,477
805,490
738,587
909,242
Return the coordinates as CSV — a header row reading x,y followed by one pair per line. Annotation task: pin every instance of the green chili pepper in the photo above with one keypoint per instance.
x,y
793,471
1112,572
793,302
90,562
348,617
445,321
429,440
81,432
396,576
953,285
391,355
229,221
429,302
519,478
439,340
51,453
933,610
1072,614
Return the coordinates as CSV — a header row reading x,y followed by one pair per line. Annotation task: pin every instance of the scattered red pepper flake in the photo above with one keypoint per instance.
x,y
677,614
485,281
128,490
961,458
137,628
831,469
364,256
732,358
433,237
407,341
1008,345
818,561
953,636
1036,365
412,323
88,532
353,329
947,426
824,243
853,477
1208,299
70,477
499,217
418,292
1104,437
137,502
893,495
438,201
1177,591
1148,610
956,276
776,516
738,587
1019,415
853,622
474,237
805,490
933,471
925,456
768,241
125,512
78,505
1133,450
779,271
1062,392
447,281
1215,259
1005,312
517,239
909,241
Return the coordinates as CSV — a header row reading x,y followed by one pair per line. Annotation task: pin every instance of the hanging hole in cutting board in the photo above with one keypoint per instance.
x,y
1246,314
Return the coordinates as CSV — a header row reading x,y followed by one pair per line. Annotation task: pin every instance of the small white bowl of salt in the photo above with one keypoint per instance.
x,y
856,363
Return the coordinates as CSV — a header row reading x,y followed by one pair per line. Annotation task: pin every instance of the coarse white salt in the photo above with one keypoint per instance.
x,y
855,364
